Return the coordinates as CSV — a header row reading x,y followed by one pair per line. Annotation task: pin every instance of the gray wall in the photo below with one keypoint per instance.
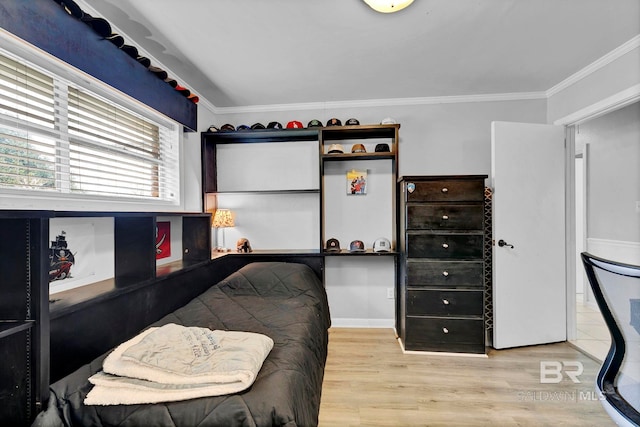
x,y
613,181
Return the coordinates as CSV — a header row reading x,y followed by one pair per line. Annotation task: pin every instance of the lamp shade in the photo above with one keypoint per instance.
x,y
388,6
222,218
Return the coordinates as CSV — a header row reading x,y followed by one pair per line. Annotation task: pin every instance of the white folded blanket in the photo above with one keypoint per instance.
x,y
175,362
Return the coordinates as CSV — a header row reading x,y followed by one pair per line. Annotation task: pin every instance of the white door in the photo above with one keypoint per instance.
x,y
528,180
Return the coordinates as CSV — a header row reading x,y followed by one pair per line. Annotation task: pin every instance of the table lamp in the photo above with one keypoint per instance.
x,y
222,218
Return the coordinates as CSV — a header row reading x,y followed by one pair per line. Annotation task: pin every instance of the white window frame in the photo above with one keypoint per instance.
x,y
68,75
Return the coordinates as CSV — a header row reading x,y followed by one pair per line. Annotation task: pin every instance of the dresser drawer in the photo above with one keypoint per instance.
x,y
442,334
445,245
445,217
446,191
452,274
445,303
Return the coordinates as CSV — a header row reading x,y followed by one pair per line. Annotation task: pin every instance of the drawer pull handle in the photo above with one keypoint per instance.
x,y
445,330
445,245
445,301
445,217
445,273
445,190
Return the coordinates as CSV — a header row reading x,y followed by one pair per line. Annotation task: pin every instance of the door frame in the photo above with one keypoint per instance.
x,y
614,102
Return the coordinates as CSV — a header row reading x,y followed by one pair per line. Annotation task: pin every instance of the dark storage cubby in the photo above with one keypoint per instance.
x,y
25,309
24,315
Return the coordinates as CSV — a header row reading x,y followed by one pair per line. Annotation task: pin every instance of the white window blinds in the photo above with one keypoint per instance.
x,y
27,121
56,137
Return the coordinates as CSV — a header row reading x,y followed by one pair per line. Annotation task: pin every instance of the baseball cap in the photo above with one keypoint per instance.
x,y
358,148
227,127
357,246
382,148
381,245
336,148
333,245
334,122
388,121
161,74
116,39
132,51
257,126
274,125
146,62
314,124
213,128
352,122
294,124
99,25
243,127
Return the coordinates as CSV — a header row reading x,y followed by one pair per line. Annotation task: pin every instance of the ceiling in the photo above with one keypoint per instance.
x,y
240,53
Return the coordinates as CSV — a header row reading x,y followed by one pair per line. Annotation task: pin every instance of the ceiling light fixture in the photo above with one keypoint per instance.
x,y
388,6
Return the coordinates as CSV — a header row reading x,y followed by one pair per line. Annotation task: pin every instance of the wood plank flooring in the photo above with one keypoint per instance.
x,y
370,382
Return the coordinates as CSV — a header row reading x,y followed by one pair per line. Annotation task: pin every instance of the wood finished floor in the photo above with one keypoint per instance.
x,y
370,382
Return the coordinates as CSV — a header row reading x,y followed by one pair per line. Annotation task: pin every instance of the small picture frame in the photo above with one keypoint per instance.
x,y
357,182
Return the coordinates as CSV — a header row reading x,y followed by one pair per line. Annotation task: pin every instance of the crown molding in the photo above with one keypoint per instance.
x,y
601,62
492,97
610,57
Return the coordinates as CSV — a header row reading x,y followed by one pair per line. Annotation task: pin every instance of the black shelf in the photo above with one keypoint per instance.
x,y
301,191
10,327
335,133
358,156
368,252
262,135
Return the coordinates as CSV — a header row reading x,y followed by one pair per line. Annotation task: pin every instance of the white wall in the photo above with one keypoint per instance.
x,y
437,137
616,75
613,183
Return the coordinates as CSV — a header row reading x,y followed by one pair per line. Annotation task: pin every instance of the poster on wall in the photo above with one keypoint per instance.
x,y
163,239
357,182
72,251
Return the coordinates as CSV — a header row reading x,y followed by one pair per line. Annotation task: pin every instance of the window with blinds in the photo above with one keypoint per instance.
x,y
58,138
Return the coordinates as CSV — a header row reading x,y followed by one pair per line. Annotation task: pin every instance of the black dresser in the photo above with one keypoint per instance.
x,y
441,276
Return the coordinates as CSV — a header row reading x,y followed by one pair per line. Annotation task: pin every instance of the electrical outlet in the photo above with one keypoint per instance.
x,y
390,293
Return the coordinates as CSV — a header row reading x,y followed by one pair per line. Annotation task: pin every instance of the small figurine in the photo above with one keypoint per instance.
x,y
243,245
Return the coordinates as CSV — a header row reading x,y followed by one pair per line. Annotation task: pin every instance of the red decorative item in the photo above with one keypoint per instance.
x,y
163,239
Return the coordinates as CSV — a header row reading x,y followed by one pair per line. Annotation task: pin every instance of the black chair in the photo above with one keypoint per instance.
x,y
616,287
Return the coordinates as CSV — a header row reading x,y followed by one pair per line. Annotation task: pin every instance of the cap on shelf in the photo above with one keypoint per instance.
x,y
357,246
352,122
382,245
333,245
227,127
274,125
314,124
336,148
294,124
358,148
334,122
257,126
382,148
